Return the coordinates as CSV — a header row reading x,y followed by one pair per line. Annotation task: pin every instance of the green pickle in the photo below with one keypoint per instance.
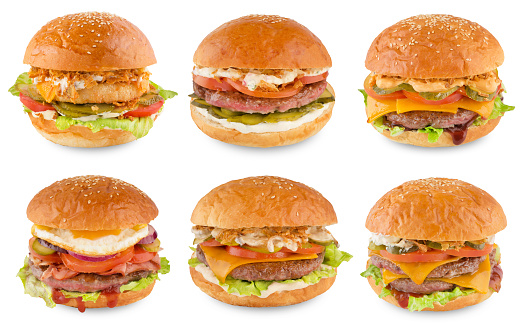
x,y
437,95
261,249
475,245
399,250
374,247
433,244
155,246
41,249
474,94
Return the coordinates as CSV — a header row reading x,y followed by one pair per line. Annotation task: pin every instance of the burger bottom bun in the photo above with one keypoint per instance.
x,y
265,139
283,298
80,136
458,303
420,139
125,298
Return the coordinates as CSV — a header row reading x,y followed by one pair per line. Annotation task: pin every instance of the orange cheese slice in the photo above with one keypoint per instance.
x,y
222,263
376,108
48,90
478,280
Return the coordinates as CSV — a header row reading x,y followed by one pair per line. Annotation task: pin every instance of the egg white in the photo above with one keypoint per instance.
x,y
105,245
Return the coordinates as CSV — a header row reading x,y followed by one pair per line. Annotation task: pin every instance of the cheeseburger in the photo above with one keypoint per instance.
x,y
432,245
262,242
88,85
92,246
433,74
260,81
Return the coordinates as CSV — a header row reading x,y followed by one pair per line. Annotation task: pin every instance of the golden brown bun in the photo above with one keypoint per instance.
x,y
262,41
91,202
437,209
80,136
264,201
420,139
89,41
458,303
125,298
434,46
288,297
265,139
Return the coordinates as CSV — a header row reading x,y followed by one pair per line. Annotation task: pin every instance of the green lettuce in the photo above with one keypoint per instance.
x,y
334,257
432,133
498,110
166,94
21,79
37,288
374,272
364,94
193,262
139,127
380,127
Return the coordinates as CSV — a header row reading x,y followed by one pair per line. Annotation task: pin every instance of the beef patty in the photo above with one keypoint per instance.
x,y
87,282
439,120
284,270
241,102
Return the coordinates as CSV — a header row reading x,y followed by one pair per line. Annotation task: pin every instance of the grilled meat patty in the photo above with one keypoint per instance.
x,y
439,120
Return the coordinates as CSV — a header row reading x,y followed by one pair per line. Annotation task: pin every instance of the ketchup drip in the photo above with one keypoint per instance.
x,y
112,296
402,297
59,298
459,132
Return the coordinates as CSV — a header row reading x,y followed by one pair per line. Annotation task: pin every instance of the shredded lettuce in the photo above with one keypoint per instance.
x,y
37,288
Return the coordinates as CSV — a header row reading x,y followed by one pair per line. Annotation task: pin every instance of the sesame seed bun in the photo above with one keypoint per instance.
x,y
434,46
91,203
263,201
262,42
281,298
437,209
89,41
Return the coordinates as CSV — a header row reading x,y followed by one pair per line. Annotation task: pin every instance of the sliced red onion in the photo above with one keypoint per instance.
x,y
152,235
51,246
91,258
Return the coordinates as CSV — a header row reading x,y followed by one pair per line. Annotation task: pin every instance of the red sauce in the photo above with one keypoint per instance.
x,y
459,132
402,297
59,298
112,296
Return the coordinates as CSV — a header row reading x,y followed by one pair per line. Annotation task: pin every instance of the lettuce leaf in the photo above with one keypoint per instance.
x,y
33,286
139,127
365,95
374,272
380,127
86,297
426,301
21,79
334,257
432,133
166,94
193,262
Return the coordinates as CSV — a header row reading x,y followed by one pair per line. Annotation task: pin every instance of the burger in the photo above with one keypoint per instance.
x,y
262,242
92,246
260,81
433,74
88,85
432,245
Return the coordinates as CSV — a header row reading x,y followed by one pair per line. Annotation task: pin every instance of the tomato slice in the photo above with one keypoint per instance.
x,y
34,105
141,255
394,95
142,111
246,253
314,249
287,92
86,266
53,258
211,242
312,79
456,96
429,256
213,84
470,252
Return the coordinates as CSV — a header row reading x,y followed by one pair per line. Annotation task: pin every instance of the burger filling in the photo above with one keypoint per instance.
x,y
432,106
259,100
122,99
261,261
419,273
57,272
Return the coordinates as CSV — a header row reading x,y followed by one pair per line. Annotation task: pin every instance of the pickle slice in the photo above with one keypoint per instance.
x,y
475,95
399,250
475,246
41,249
433,244
73,110
403,86
261,249
149,99
437,95
153,247
374,247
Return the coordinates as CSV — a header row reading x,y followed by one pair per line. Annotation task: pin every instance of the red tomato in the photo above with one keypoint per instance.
x,y
394,95
53,258
34,105
470,252
142,111
212,84
287,92
86,266
456,96
314,249
429,256
211,242
141,255
242,252
312,79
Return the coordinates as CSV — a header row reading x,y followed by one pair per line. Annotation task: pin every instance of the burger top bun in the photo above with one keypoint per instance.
x,y
264,201
437,209
434,46
91,203
262,42
89,41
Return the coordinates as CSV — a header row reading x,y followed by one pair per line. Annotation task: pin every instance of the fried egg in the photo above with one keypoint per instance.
x,y
92,243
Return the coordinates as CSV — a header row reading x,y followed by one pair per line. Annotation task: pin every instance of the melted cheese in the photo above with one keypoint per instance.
x,y
478,280
222,263
376,108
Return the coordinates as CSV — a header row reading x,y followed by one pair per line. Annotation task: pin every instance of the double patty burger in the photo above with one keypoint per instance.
x,y
432,245
88,85
92,246
434,81
260,81
262,242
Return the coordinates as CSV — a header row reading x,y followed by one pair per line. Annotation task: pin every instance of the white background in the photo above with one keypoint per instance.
x,y
348,162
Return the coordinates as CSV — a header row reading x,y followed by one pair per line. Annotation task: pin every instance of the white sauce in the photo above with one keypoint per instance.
x,y
264,127
48,114
379,239
95,117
